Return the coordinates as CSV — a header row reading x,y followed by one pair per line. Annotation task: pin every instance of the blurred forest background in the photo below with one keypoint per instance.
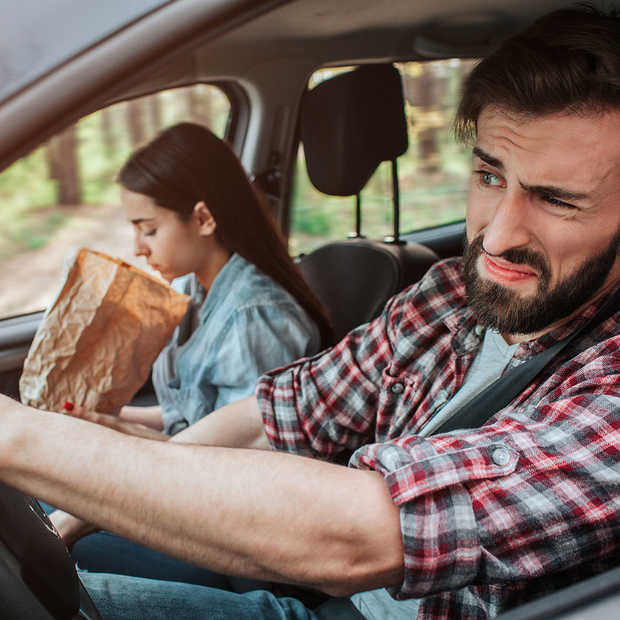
x,y
63,195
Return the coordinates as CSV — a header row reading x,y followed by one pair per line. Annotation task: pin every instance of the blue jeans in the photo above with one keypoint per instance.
x,y
104,552
119,597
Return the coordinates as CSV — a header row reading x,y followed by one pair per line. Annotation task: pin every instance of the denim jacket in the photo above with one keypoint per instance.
x,y
245,325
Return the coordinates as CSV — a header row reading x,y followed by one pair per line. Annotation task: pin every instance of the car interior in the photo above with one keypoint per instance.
x,y
325,97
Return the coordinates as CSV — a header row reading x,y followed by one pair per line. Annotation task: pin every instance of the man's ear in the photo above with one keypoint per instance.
x,y
204,219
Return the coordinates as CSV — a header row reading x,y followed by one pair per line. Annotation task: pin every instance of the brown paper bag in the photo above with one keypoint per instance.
x,y
99,338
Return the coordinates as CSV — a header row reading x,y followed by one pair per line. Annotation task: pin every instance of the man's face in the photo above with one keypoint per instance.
x,y
543,216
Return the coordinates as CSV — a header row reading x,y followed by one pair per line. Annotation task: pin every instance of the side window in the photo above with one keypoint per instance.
x,y
433,173
63,195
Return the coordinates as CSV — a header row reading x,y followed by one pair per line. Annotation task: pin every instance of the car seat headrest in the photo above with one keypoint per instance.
x,y
350,124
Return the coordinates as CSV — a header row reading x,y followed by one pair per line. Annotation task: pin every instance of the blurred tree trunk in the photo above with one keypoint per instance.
x,y
207,112
428,148
156,115
135,122
107,133
191,102
198,105
63,166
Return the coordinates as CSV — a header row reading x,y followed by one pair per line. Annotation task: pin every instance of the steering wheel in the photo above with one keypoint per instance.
x,y
38,579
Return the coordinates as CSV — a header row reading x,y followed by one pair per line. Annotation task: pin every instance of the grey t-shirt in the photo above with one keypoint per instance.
x,y
489,364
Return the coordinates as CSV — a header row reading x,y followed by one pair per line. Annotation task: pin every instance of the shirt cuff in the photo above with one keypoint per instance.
x,y
439,525
275,393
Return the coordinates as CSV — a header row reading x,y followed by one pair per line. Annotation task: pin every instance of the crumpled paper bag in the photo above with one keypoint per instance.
x,y
98,340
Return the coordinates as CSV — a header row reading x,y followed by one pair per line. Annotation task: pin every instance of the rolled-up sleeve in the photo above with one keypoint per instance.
x,y
512,501
326,404
439,525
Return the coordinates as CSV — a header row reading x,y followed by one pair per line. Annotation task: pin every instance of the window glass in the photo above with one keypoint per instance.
x,y
63,195
433,173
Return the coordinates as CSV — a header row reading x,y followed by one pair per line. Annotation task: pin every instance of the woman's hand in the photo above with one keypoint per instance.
x,y
114,422
70,528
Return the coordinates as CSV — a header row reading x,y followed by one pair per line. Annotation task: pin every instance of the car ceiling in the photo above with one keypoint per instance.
x,y
183,41
324,32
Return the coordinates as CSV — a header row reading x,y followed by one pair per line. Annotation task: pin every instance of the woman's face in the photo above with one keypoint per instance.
x,y
171,246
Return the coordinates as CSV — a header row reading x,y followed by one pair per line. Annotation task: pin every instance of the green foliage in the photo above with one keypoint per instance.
x,y
98,164
31,231
311,222
25,185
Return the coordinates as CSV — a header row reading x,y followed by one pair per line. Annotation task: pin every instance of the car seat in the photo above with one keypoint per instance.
x,y
349,125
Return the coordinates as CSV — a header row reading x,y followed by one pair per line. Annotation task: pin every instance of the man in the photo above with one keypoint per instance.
x,y
473,521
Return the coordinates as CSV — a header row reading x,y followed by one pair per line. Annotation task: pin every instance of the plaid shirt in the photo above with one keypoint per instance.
x,y
490,517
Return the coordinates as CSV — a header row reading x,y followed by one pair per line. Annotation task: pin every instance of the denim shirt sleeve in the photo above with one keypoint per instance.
x,y
219,366
247,324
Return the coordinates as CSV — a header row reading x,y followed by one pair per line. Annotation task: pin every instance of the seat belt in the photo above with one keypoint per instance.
x,y
493,398
505,389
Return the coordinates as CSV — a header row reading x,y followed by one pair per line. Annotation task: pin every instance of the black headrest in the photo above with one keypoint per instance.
x,y
350,124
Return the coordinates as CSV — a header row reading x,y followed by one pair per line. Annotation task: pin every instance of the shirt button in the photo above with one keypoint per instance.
x,y
500,456
397,388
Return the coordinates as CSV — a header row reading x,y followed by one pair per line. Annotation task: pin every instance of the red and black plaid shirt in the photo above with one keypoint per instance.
x,y
490,517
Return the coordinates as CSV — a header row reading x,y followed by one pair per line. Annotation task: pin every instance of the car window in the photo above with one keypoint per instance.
x,y
63,195
433,173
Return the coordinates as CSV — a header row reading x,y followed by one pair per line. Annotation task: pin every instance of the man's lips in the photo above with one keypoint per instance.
x,y
504,271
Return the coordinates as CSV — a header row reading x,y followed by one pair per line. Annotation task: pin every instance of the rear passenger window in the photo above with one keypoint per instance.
x,y
63,195
433,173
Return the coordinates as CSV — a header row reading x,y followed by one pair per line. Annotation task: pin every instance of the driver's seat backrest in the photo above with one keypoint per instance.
x,y
349,125
354,278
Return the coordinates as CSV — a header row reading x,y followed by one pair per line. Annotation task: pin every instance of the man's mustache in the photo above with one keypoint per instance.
x,y
518,256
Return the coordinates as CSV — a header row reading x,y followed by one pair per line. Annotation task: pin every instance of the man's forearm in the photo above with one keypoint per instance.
x,y
247,512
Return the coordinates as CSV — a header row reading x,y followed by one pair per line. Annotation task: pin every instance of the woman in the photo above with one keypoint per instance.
x,y
198,221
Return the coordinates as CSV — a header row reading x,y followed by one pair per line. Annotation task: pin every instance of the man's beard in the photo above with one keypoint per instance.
x,y
499,307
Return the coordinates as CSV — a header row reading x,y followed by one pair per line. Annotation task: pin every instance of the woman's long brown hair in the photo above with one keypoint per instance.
x,y
187,163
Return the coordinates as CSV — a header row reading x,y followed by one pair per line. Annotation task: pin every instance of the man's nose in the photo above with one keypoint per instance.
x,y
509,226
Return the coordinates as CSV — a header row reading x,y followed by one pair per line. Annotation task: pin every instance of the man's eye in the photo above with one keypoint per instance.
x,y
488,178
557,203
150,233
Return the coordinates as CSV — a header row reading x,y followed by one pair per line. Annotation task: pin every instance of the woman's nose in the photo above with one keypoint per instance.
x,y
139,248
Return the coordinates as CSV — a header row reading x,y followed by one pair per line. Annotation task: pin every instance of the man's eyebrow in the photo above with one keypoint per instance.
x,y
540,190
489,159
552,190
139,220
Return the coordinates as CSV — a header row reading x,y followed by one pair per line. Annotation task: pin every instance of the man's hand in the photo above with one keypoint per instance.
x,y
114,422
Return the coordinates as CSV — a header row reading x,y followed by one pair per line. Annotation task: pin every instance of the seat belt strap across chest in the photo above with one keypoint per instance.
x,y
505,389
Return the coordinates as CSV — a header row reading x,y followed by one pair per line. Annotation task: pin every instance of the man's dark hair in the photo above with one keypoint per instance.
x,y
566,60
